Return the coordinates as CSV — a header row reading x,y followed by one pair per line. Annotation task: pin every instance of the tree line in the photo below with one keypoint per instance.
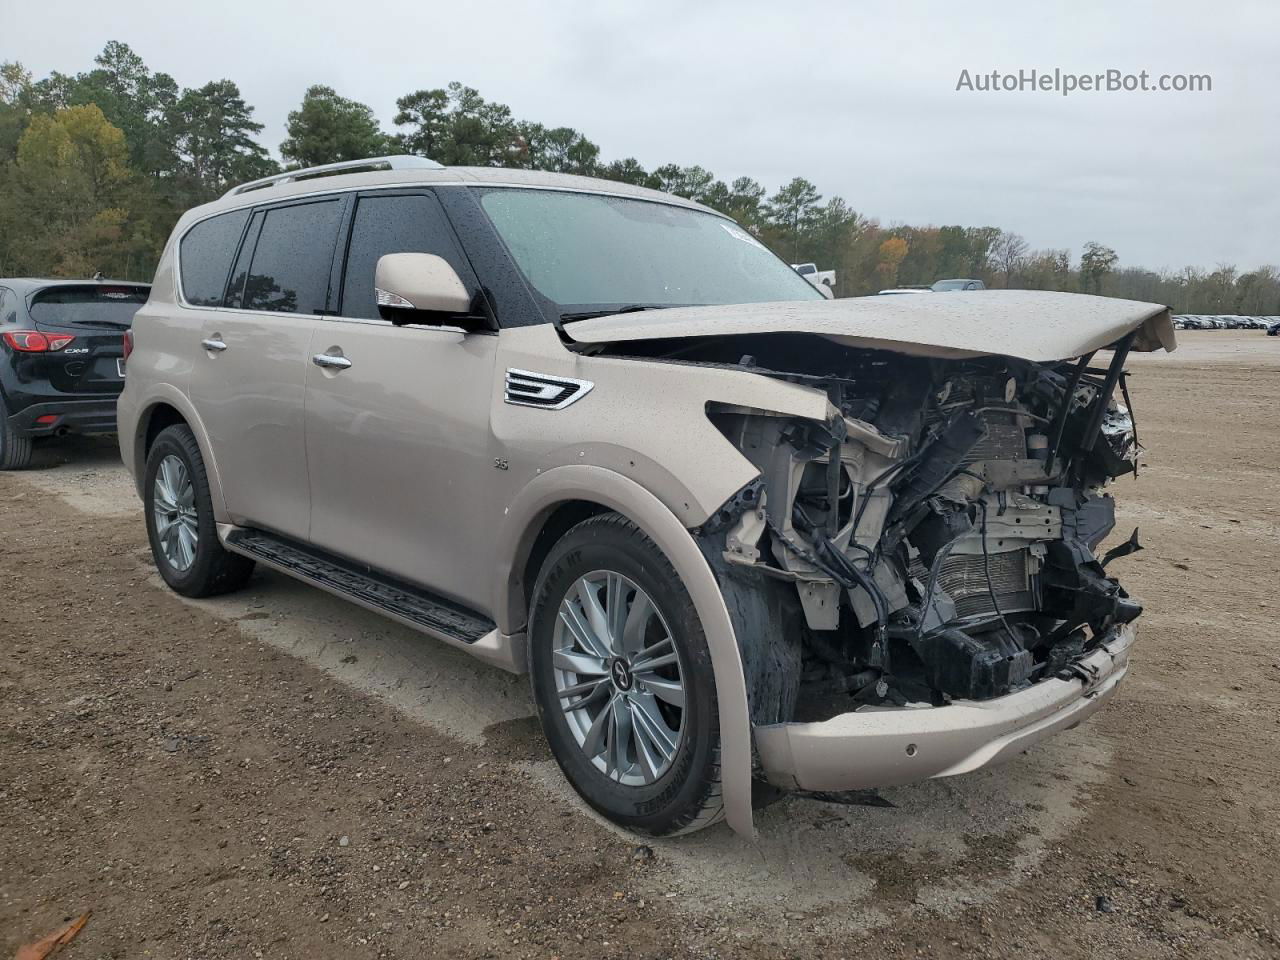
x,y
95,169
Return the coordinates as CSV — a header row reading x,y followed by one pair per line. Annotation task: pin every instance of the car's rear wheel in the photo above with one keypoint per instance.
x,y
15,448
180,524
622,680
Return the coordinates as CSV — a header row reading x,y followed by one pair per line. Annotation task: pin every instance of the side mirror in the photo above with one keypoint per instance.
x,y
419,281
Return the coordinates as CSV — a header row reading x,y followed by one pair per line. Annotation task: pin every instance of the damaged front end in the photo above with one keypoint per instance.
x,y
932,544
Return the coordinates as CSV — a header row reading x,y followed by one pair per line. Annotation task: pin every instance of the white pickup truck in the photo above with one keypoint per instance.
x,y
824,280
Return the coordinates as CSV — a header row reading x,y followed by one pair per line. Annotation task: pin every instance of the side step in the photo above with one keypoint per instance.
x,y
375,590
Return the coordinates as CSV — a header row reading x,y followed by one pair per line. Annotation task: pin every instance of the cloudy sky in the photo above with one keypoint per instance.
x,y
858,97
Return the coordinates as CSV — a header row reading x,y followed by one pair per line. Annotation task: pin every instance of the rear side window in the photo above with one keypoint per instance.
x,y
206,253
293,258
395,224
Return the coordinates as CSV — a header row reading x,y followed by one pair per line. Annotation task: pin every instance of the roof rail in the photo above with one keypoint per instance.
x,y
403,161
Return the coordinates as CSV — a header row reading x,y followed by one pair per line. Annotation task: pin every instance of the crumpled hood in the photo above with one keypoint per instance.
x,y
1029,324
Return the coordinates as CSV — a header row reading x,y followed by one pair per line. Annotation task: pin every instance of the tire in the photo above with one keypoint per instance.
x,y
15,448
211,570
637,782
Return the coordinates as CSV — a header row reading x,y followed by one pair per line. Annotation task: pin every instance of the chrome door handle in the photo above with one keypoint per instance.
x,y
327,360
215,345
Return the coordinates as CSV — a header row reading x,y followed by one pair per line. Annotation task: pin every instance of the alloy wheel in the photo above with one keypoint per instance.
x,y
173,506
619,678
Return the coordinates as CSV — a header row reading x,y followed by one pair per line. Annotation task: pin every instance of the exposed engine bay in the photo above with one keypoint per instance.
x,y
934,540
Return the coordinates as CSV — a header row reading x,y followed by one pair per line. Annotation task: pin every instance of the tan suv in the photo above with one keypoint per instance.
x,y
736,532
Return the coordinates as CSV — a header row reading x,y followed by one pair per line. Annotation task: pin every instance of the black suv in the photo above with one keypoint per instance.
x,y
62,351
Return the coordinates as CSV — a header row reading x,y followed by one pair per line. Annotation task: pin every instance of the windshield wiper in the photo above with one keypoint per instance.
x,y
630,308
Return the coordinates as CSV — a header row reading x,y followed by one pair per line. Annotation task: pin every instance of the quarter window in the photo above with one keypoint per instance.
x,y
293,258
394,223
206,253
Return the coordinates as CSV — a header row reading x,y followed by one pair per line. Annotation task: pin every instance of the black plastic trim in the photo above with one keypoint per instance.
x,y
365,585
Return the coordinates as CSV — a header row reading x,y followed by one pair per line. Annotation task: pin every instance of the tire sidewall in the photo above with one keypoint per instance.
x,y
15,448
610,543
179,441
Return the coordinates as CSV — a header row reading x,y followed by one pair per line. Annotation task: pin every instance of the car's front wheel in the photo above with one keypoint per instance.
x,y
622,680
180,524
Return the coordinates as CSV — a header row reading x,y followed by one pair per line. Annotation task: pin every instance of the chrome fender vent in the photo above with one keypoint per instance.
x,y
528,389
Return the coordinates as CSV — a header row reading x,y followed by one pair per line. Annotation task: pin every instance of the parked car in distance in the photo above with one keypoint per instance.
x,y
62,348
824,280
1274,329
946,286
894,291
734,531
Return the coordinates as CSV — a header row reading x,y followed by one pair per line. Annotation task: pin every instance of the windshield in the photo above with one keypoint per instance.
x,y
586,252
96,305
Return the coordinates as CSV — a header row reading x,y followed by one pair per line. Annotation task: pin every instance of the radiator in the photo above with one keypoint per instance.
x,y
964,579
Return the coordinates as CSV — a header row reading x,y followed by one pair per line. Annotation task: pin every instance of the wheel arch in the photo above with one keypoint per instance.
x,y
559,498
166,410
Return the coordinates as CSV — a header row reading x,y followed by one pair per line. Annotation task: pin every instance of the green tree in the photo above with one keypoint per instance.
x,y
1096,261
15,108
791,207
129,95
629,170
213,136
483,132
458,127
691,182
745,199
427,113
329,128
559,149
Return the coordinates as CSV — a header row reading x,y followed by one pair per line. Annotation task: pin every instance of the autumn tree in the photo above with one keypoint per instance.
x,y
892,251
66,203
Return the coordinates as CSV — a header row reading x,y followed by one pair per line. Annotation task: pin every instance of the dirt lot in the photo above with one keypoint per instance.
x,y
278,774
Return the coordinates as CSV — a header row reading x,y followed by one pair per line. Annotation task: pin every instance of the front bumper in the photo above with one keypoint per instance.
x,y
69,416
883,748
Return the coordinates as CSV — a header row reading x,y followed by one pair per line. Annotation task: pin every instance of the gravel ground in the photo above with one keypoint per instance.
x,y
279,774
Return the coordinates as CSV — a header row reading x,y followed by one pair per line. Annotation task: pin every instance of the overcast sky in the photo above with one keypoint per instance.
x,y
858,97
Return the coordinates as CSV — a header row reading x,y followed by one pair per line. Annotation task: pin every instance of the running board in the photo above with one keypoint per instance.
x,y
378,592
